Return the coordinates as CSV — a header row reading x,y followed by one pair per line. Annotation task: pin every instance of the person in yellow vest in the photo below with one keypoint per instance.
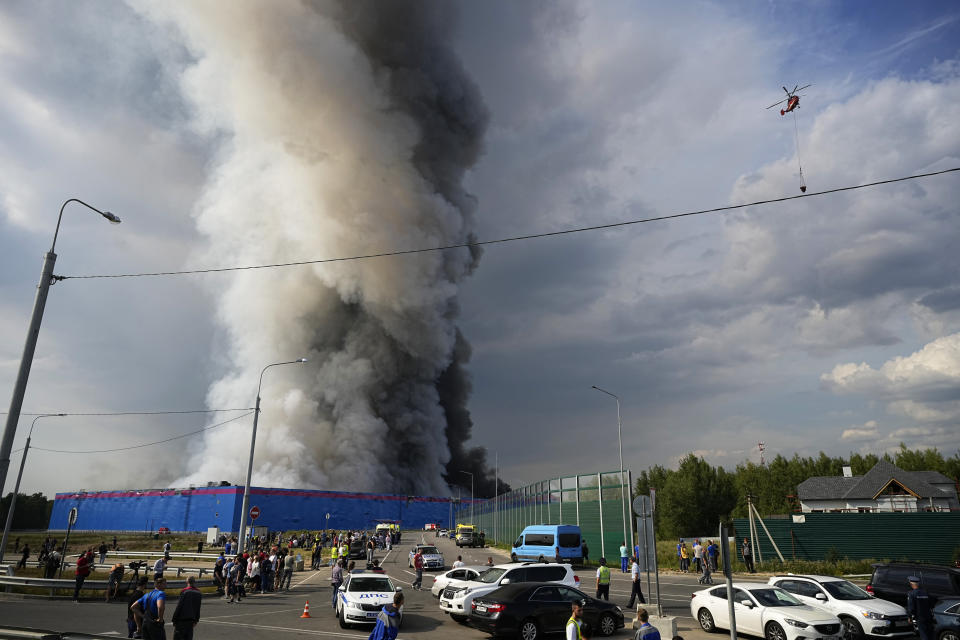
x,y
603,580
574,629
335,554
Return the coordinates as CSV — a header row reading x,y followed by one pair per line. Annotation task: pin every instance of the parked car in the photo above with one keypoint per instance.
x,y
764,610
362,596
889,580
946,619
163,530
358,550
432,558
557,542
454,577
859,612
532,610
456,599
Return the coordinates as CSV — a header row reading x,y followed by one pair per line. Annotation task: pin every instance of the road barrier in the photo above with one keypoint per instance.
x,y
55,584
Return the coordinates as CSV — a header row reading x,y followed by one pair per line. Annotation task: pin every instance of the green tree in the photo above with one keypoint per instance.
x,y
694,498
31,512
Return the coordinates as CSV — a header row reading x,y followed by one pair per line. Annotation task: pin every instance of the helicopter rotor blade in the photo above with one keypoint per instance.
x,y
802,88
785,89
776,103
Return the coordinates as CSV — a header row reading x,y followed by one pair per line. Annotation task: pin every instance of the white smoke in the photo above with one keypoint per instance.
x,y
345,130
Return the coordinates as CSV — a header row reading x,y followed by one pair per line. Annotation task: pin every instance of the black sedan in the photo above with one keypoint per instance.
x,y
946,618
531,609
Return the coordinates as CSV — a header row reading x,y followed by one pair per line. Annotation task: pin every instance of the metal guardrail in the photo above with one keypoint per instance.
x,y
26,633
9,582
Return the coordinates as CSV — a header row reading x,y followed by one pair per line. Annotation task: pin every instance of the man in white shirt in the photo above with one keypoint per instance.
x,y
459,563
635,591
697,555
576,619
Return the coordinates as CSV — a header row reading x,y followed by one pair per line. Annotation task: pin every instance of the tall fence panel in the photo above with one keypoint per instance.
x,y
598,502
923,537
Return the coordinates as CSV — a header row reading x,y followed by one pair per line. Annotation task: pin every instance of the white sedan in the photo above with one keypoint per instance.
x,y
362,596
453,576
764,610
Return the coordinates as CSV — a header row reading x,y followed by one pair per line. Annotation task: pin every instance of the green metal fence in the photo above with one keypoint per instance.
x,y
921,537
597,502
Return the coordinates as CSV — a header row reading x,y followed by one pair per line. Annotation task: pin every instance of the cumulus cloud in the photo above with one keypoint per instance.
x,y
866,432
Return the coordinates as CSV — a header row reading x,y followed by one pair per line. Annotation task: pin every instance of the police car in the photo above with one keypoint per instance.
x,y
432,558
362,595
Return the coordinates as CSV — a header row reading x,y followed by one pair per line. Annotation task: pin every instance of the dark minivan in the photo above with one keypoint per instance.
x,y
889,580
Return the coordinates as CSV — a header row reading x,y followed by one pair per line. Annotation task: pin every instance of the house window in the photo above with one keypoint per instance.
x,y
864,509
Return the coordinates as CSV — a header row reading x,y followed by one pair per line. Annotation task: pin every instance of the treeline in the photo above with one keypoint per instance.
x,y
692,499
31,512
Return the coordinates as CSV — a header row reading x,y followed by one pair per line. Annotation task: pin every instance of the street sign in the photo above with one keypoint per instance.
x,y
641,506
328,515
254,513
73,517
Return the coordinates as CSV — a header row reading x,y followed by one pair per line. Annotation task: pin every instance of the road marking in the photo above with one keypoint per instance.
x,y
251,613
315,573
291,629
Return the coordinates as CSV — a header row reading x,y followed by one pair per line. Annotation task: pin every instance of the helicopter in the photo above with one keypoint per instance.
x,y
792,99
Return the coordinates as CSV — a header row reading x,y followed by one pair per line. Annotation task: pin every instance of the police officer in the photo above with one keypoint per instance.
x,y
603,580
919,606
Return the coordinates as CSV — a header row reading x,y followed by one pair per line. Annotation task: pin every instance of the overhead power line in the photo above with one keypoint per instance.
x,y
149,444
532,236
133,413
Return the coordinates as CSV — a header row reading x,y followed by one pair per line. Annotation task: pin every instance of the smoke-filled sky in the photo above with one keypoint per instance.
x,y
253,132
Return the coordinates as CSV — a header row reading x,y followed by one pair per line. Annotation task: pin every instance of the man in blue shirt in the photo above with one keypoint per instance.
x,y
646,631
148,612
919,607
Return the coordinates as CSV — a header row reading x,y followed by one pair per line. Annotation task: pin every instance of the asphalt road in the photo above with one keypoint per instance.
x,y
277,616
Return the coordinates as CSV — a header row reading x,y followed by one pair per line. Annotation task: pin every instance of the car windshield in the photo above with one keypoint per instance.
x,y
843,590
773,597
371,583
490,575
429,551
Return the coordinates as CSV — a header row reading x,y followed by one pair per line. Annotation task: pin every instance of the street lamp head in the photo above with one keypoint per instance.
x,y
302,360
112,217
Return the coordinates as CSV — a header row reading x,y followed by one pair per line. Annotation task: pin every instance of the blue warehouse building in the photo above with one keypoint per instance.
x,y
197,509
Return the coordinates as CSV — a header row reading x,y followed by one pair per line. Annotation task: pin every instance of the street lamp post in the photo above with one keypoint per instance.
x,y
16,488
623,492
253,443
472,521
33,332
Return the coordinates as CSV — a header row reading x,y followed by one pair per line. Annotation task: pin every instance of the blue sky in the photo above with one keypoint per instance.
x,y
825,324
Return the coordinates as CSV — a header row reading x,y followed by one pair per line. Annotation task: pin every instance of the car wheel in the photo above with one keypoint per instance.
x,y
458,618
949,634
529,629
851,629
607,625
705,619
342,620
774,632
513,557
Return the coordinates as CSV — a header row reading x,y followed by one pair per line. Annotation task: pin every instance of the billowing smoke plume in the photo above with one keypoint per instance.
x,y
345,129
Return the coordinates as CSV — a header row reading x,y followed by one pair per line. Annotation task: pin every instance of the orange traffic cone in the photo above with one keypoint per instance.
x,y
306,610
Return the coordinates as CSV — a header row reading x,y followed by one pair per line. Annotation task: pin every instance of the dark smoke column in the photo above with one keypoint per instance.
x,y
411,40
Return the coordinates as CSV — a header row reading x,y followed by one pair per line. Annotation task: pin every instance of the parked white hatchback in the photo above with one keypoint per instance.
x,y
763,610
454,577
859,612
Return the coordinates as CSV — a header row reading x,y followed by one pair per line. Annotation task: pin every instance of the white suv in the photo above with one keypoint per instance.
x,y
457,598
860,613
